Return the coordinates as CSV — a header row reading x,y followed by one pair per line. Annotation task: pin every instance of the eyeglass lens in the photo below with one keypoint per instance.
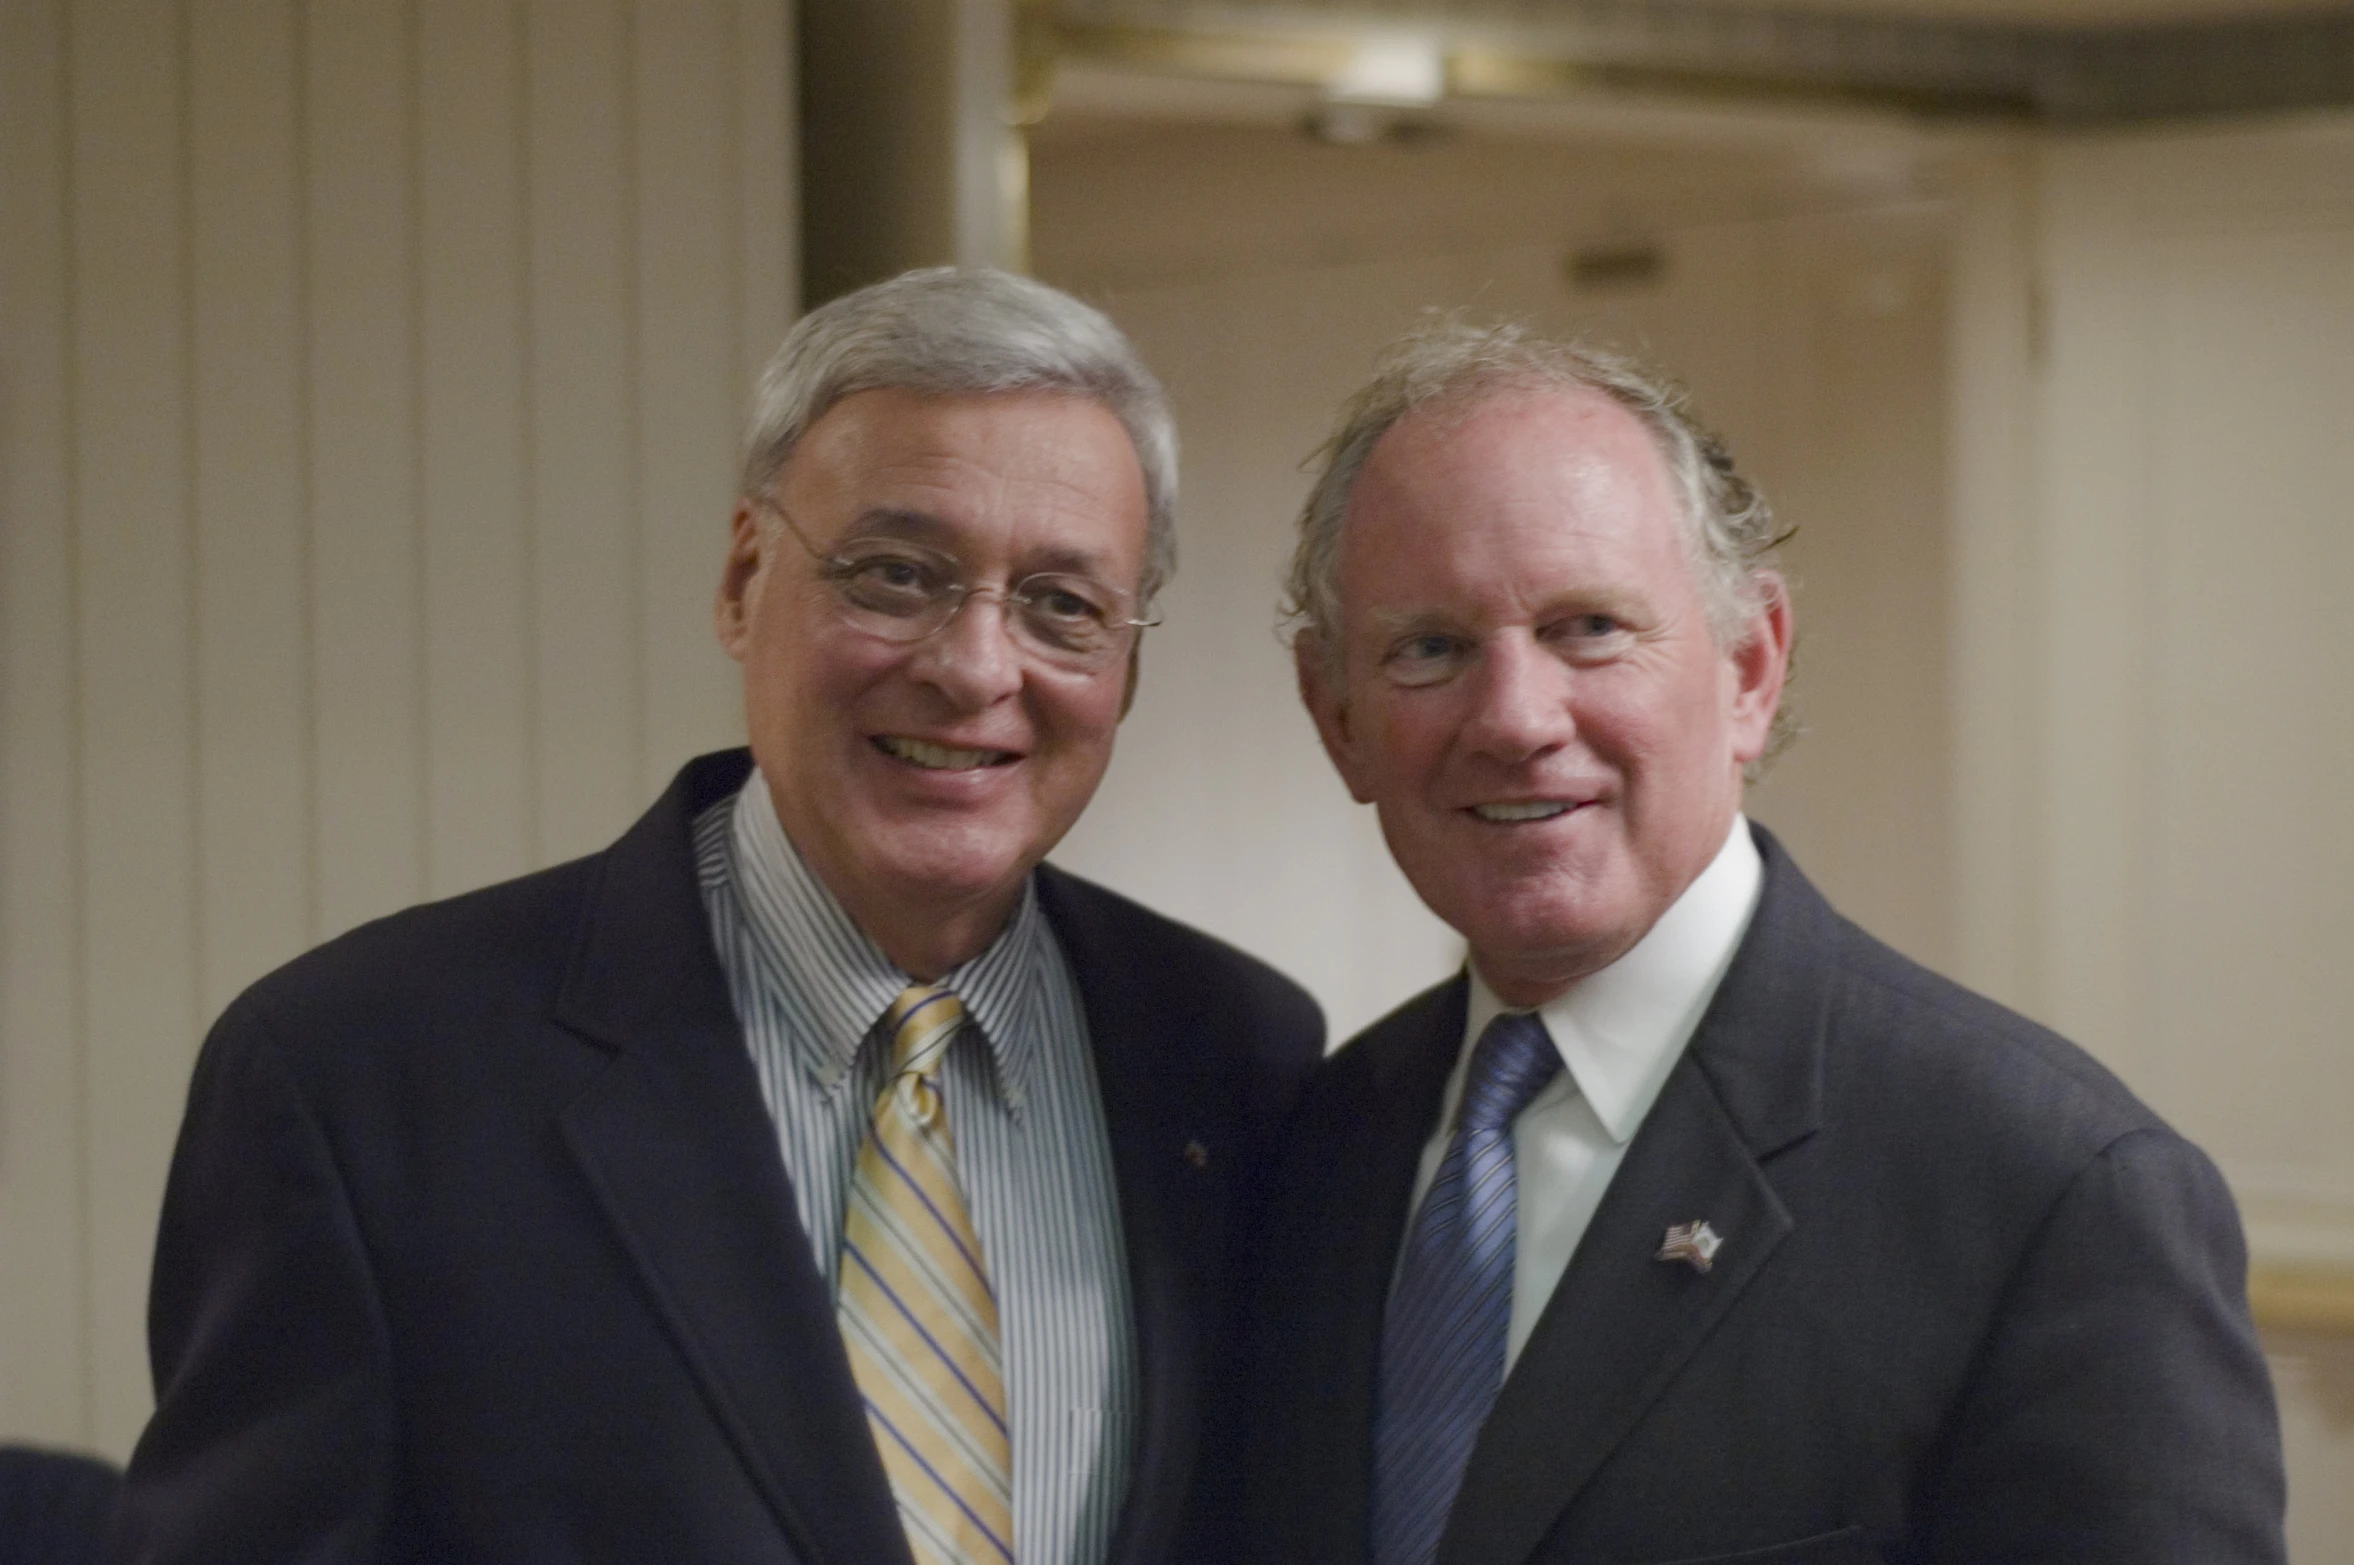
x,y
904,592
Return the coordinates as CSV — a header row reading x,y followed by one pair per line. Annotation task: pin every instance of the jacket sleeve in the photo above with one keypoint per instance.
x,y
275,1433
2120,1410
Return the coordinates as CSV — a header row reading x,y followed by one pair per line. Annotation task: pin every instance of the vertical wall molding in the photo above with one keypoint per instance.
x,y
129,466
369,379
1994,653
45,1273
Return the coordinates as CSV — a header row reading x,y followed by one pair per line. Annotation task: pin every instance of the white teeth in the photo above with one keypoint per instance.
x,y
1542,810
938,757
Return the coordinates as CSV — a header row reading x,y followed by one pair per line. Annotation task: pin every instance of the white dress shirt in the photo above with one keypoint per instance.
x,y
1620,1032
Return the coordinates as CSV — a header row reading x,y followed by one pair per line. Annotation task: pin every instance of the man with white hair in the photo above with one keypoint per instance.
x,y
814,1175
1689,1222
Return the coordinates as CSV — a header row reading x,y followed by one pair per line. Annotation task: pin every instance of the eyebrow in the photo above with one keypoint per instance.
x,y
1391,622
892,522
1615,602
925,528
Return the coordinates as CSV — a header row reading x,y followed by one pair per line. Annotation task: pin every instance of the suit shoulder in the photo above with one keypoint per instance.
x,y
1930,1043
1093,922
1414,1018
1400,1056
503,943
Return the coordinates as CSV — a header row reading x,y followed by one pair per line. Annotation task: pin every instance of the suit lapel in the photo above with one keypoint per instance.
x,y
1622,1324
1168,1215
676,1142
1382,1109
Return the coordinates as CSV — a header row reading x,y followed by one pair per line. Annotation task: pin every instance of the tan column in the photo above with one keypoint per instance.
x,y
910,153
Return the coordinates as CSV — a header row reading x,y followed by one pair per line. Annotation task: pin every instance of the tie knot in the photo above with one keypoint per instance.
x,y
1510,1064
922,1020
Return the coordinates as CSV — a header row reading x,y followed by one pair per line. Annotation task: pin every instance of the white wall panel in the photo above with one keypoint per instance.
x,y
2253,536
342,561
253,601
581,201
1851,386
1994,656
366,562
134,628
687,262
473,477
44,1163
2091,597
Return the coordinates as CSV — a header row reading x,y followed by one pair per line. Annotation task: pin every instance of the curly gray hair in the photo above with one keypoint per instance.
x,y
959,331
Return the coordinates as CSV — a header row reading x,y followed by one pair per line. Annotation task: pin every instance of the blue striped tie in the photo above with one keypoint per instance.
x,y
1442,1345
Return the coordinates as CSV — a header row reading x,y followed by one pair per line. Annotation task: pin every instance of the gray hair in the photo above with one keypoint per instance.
x,y
1729,528
965,331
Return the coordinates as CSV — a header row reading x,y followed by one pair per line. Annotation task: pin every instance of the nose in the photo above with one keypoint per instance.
x,y
1521,696
971,659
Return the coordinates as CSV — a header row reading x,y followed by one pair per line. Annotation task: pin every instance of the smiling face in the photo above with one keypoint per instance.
x,y
1529,690
922,781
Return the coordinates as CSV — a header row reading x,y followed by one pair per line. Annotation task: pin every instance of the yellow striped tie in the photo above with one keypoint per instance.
x,y
917,1313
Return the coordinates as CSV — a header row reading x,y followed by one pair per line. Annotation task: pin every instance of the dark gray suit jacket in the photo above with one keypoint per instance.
x,y
478,1245
1974,1303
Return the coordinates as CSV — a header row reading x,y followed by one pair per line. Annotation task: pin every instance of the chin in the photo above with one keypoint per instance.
x,y
1546,933
957,863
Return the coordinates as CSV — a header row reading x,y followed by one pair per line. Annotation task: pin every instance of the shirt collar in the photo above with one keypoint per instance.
x,y
833,983
1621,1030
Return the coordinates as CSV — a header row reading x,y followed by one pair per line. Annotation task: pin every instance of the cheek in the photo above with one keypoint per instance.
x,y
797,688
1084,723
1646,717
1072,721
1405,740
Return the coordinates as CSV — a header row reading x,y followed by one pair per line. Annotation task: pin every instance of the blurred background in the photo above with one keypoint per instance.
x,y
370,373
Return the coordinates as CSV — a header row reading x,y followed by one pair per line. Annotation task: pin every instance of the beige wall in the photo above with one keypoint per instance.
x,y
369,374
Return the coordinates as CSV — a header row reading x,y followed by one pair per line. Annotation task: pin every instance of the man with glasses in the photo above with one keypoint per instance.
x,y
814,1175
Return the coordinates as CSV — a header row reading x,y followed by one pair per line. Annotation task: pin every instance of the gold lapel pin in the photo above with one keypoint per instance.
x,y
1197,1155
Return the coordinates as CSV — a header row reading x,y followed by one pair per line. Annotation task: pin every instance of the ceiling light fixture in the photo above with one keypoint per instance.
x,y
1395,72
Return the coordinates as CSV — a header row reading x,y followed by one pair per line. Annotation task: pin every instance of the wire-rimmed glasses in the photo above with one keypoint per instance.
x,y
901,591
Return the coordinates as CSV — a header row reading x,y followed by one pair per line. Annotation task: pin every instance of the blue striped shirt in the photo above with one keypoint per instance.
x,y
1027,1121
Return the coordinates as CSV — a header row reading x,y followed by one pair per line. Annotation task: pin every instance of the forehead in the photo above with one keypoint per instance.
x,y
1515,494
1013,466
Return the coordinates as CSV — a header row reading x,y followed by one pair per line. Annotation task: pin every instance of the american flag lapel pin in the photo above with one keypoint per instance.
x,y
1694,1243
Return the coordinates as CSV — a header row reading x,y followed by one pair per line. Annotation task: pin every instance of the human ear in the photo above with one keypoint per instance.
x,y
740,581
1759,663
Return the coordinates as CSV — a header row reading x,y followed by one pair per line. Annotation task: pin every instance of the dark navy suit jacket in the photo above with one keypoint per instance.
x,y
1974,1305
478,1245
